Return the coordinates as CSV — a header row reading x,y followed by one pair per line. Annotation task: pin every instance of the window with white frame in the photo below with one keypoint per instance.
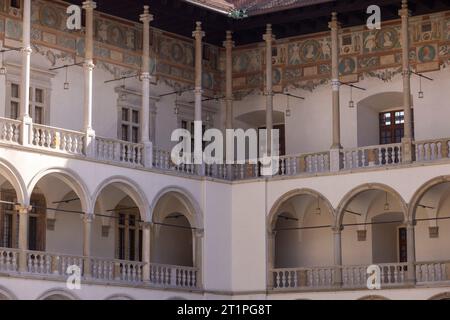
x,y
37,102
40,85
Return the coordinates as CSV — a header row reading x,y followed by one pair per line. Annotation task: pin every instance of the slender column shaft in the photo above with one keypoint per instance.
x,y
411,251
146,18
23,236
24,112
89,7
269,38
337,240
336,127
197,255
198,35
87,243
404,14
146,245
229,44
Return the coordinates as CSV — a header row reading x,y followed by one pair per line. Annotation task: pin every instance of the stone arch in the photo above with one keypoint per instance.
x,y
441,296
12,175
71,179
58,294
271,218
130,188
416,198
346,200
6,294
119,296
373,297
195,217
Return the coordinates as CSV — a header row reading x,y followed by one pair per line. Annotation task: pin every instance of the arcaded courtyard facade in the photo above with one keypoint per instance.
x,y
87,180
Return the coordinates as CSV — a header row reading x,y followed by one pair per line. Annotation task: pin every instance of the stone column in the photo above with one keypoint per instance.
x,y
27,122
146,247
89,66
411,248
198,35
269,38
88,219
334,25
229,44
337,240
146,18
197,255
408,133
23,212
271,235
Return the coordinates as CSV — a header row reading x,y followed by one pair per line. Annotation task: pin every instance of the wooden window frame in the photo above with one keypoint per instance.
x,y
127,227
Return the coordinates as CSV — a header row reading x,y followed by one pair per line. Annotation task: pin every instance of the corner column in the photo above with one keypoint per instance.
x,y
408,137
229,45
88,218
27,122
268,92
335,26
198,35
146,18
23,212
337,240
411,251
89,66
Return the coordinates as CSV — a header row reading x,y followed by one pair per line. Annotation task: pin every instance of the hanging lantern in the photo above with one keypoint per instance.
x,y
421,94
351,103
3,70
66,83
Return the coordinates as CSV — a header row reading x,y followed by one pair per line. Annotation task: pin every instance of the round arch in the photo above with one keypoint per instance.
x,y
58,294
119,297
12,175
441,296
70,178
417,197
195,216
130,188
271,218
368,187
6,294
373,297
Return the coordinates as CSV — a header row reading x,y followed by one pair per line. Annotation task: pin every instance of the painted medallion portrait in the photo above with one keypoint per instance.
x,y
387,38
427,53
49,17
310,50
116,36
347,66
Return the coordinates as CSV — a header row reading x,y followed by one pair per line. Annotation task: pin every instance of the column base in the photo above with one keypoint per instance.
x,y
335,159
407,150
148,154
90,143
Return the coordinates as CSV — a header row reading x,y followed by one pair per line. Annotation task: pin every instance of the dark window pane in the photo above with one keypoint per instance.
x,y
39,96
32,233
121,244
135,116
124,132
15,90
124,114
38,115
14,110
135,133
132,245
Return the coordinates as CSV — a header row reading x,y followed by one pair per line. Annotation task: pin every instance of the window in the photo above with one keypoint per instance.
x,y
15,4
9,222
129,235
130,125
392,125
37,103
189,125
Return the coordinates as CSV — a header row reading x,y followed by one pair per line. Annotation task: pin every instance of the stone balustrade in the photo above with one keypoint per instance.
x,y
133,154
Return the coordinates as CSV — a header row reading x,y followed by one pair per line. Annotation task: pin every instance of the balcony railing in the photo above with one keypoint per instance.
x,y
355,277
55,266
135,154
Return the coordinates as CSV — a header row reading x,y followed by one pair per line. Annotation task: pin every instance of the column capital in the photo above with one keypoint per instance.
x,y
88,63
27,50
145,76
88,217
147,224
21,209
199,233
89,5
410,224
229,43
268,36
146,17
334,24
335,84
404,11
337,229
198,33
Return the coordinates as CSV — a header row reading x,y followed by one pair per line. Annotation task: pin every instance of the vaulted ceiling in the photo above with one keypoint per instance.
x,y
179,16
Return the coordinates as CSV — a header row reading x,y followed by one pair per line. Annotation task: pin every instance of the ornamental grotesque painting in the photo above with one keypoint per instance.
x,y
347,66
306,52
247,61
50,17
382,40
